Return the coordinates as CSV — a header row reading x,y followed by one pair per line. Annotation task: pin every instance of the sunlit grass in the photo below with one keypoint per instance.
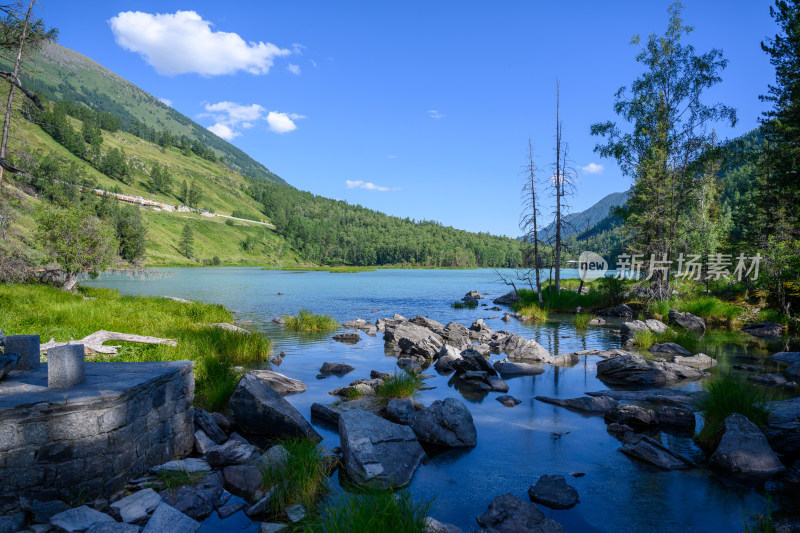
x,y
582,320
726,395
533,313
401,384
305,320
458,304
301,479
378,511
50,312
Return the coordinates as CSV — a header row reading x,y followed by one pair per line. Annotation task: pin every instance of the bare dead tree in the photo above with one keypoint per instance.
x,y
563,184
529,220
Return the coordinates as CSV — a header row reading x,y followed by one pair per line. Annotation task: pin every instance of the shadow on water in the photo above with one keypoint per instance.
x,y
515,445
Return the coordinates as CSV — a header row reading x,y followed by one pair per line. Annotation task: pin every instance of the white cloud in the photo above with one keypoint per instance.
x,y
235,113
166,101
294,69
221,130
314,63
391,157
182,42
281,122
593,168
358,184
298,48
433,113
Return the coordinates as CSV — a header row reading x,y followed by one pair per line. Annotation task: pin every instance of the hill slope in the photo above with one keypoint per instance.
x,y
584,221
63,74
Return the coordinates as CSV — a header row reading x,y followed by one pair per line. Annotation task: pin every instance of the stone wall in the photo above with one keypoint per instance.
x,y
87,441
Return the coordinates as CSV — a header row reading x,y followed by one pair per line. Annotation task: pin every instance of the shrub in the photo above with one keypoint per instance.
x,y
305,320
582,320
230,222
533,313
644,338
301,479
401,384
725,395
376,511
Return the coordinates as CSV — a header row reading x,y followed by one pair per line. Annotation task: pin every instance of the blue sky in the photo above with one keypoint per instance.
x,y
419,109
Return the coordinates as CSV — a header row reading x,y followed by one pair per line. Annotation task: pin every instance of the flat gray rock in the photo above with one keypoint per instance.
x,y
334,369
167,519
666,396
260,410
510,369
522,349
136,506
744,450
347,338
587,404
632,416
79,519
636,370
508,401
414,340
114,527
190,465
670,347
232,452
687,321
445,423
553,492
509,514
377,453
281,384
701,361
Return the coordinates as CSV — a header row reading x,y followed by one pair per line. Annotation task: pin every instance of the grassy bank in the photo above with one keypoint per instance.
x,y
53,313
305,320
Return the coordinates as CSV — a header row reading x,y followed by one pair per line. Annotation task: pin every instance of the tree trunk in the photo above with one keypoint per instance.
x,y
14,79
559,185
69,283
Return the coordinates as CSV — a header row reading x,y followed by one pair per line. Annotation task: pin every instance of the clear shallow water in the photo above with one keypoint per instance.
x,y
515,445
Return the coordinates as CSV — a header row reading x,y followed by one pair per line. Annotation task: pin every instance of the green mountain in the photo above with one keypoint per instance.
x,y
59,73
584,221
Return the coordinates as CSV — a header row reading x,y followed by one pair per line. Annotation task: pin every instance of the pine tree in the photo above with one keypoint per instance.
x,y
186,242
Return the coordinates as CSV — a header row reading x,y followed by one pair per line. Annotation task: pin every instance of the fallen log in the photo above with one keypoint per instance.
x,y
94,342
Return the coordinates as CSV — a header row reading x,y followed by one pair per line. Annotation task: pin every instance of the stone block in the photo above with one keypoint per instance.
x,y
27,348
136,506
66,366
78,519
167,518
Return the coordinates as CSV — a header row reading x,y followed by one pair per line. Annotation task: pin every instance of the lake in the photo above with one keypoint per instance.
x,y
515,445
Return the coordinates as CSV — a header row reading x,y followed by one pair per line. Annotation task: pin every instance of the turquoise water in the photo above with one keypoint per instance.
x,y
515,445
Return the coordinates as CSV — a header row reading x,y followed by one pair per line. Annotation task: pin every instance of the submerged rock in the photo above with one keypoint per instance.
x,y
588,404
769,380
744,449
632,416
510,514
553,492
377,453
347,338
786,357
645,449
259,410
508,401
334,369
446,423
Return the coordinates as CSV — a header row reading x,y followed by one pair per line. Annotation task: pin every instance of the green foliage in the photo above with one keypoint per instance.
x,y
533,313
172,479
186,242
681,337
644,338
726,395
215,381
305,320
238,213
401,384
130,229
77,240
460,304
564,301
115,166
229,222
582,320
379,511
301,479
160,179
333,232
715,311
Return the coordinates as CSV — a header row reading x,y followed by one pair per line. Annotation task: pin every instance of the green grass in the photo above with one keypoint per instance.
x,y
716,312
687,339
378,512
726,395
401,384
49,312
582,320
178,478
305,320
302,479
565,301
458,304
644,338
354,394
533,313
